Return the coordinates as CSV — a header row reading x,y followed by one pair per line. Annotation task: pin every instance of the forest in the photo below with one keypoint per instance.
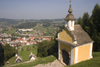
x,y
91,24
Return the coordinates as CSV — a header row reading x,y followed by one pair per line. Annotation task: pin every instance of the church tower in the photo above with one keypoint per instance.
x,y
70,19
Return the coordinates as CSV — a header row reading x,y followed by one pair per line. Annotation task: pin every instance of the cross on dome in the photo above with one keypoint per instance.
x,y
70,1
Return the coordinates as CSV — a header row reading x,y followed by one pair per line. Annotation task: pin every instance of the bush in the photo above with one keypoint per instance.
x,y
46,48
1,55
8,52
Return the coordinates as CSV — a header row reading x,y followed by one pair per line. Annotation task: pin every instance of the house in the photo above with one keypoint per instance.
x,y
44,38
32,37
9,35
22,44
3,35
26,29
17,40
18,59
7,40
74,44
49,39
23,40
27,43
31,42
34,42
0,38
32,57
13,43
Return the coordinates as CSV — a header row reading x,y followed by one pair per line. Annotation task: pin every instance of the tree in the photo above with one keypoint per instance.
x,y
86,22
46,48
79,21
8,52
95,27
85,19
92,26
1,55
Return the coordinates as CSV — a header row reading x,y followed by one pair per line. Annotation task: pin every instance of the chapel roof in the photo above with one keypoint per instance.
x,y
70,16
18,58
81,36
32,55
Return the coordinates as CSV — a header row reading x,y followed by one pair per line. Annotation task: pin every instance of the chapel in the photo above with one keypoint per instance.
x,y
18,59
74,44
32,57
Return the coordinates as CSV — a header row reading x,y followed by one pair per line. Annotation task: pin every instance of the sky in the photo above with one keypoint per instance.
x,y
44,9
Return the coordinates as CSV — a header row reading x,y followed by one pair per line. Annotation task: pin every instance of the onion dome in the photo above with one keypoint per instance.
x,y
70,9
70,16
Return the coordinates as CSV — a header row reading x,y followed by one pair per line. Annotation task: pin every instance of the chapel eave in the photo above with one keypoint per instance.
x,y
65,42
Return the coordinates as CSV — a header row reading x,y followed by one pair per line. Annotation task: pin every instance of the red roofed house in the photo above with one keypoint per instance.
x,y
0,38
23,40
34,42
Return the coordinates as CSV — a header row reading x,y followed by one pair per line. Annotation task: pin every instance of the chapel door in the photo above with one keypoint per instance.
x,y
65,57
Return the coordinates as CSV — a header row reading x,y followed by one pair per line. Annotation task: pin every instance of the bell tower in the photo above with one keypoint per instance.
x,y
70,19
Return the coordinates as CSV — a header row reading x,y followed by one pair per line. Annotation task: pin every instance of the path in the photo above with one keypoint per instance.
x,y
21,63
56,63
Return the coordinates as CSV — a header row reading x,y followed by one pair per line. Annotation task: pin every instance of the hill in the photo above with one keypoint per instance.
x,y
94,62
8,22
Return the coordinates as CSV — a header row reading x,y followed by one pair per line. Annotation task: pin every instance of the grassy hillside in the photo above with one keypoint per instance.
x,y
38,61
24,54
94,62
8,22
8,31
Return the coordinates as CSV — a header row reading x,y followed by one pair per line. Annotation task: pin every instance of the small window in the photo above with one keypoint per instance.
x,y
71,24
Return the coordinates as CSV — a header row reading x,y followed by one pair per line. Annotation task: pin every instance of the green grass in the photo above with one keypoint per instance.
x,y
94,62
9,31
96,54
57,21
38,61
23,54
41,28
48,30
12,60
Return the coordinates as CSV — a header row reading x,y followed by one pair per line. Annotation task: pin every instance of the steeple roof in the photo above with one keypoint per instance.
x,y
70,16
70,9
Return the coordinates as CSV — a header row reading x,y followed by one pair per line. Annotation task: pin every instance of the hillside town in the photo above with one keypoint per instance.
x,y
21,41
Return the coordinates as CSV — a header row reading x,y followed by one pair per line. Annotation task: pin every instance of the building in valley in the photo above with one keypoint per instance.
x,y
18,59
74,44
32,57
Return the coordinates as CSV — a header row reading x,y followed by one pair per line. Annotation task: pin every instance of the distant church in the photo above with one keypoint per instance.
x,y
74,44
